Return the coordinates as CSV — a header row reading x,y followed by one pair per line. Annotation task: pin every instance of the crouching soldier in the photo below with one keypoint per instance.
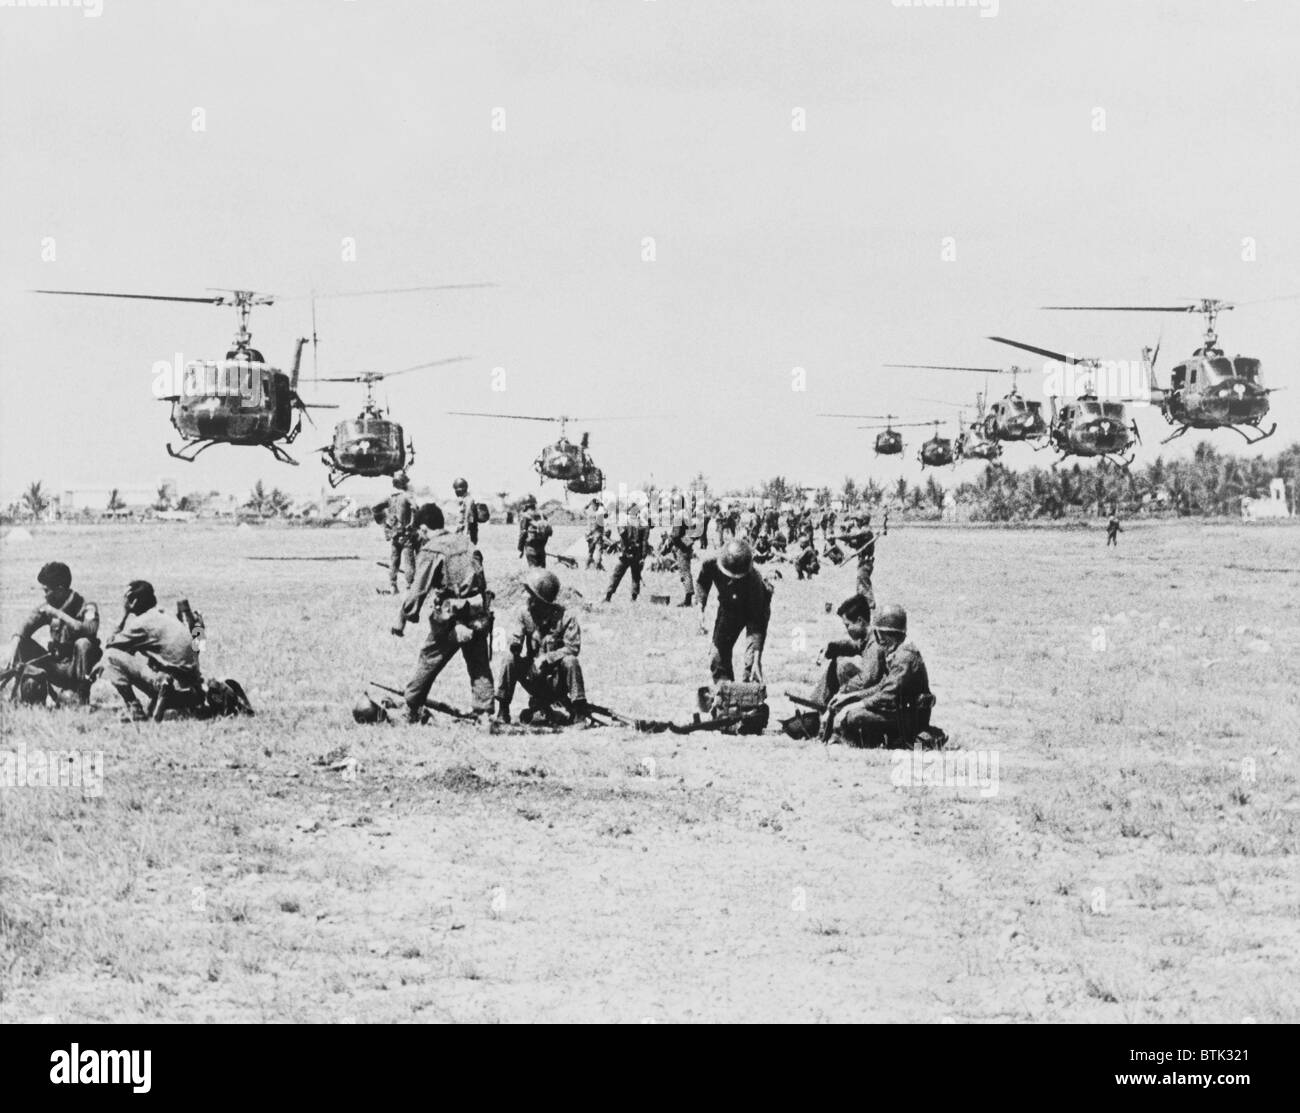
x,y
806,564
854,662
744,603
147,644
450,575
864,716
73,647
543,647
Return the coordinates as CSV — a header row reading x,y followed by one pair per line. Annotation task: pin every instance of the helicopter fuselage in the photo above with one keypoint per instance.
x,y
562,460
1014,419
1209,391
889,443
369,445
936,453
234,401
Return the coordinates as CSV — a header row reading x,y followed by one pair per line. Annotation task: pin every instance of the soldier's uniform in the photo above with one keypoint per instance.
x,y
398,528
534,532
772,520
73,652
749,523
150,634
850,667
806,564
450,576
633,546
466,519
543,659
863,541
1113,530
744,603
596,537
762,549
729,523
905,678
681,545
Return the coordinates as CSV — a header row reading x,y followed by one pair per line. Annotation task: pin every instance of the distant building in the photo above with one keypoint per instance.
x,y
1274,505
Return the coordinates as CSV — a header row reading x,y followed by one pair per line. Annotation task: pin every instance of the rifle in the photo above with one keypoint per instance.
x,y
431,704
803,701
567,561
645,726
700,724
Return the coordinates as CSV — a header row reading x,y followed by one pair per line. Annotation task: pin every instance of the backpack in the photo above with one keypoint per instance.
x,y
481,512
225,698
464,598
746,702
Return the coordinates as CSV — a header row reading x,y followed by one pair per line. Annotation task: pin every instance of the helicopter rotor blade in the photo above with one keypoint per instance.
x,y
133,297
510,417
1126,308
1059,356
949,367
404,290
860,417
424,366
376,376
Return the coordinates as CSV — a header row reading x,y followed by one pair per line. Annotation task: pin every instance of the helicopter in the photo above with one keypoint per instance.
x,y
937,451
889,441
1087,426
240,400
972,441
1207,390
568,462
370,444
1013,417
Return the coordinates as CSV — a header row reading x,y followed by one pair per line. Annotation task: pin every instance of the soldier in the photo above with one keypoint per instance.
x,y
855,662
749,523
1113,530
772,520
398,529
862,543
744,603
596,534
680,543
780,542
806,564
862,716
146,639
762,549
450,575
633,547
73,648
466,519
534,532
544,644
728,523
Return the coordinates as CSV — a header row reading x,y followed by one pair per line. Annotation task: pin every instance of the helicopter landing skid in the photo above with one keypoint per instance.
x,y
280,454
1254,440
1118,461
190,457
336,477
1176,433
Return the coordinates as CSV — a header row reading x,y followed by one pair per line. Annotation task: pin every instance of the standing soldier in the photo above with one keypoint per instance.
x,y
544,644
466,519
398,528
596,534
749,524
73,647
450,575
534,532
681,544
633,547
729,523
744,603
862,544
1113,530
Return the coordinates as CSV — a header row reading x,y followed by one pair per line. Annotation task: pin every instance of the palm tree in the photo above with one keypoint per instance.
x,y
257,499
163,500
35,501
849,491
115,501
277,502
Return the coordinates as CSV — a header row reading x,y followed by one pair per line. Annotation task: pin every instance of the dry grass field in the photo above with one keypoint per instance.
x,y
1135,859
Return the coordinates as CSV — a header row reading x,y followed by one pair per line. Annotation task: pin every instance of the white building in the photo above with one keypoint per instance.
x,y
1274,505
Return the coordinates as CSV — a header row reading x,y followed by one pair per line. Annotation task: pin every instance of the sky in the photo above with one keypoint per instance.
x,y
706,223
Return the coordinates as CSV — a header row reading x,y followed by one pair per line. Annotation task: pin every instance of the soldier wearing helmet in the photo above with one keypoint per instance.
x,y
680,543
73,647
864,716
466,518
398,517
450,576
543,646
633,548
862,544
744,603
147,642
596,531
534,532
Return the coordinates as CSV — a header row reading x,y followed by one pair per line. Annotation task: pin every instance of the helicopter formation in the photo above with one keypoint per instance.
x,y
243,400
1208,390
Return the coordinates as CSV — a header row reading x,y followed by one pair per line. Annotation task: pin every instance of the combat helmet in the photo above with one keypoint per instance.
x,y
543,585
891,619
460,485
366,710
736,559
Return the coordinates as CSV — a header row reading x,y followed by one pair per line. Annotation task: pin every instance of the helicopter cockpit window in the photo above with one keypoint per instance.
x,y
1090,409
1218,368
1015,405
1112,409
1247,369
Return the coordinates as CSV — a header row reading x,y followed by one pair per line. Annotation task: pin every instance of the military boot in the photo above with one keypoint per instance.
x,y
689,601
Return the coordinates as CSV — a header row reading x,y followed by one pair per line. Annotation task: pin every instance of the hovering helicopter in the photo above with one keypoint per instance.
x,y
937,451
1012,417
1087,426
568,462
972,441
1208,390
889,441
371,444
239,400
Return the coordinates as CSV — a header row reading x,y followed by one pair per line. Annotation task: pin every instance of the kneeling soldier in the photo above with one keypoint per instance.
x,y
863,717
460,617
73,647
544,645
147,642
